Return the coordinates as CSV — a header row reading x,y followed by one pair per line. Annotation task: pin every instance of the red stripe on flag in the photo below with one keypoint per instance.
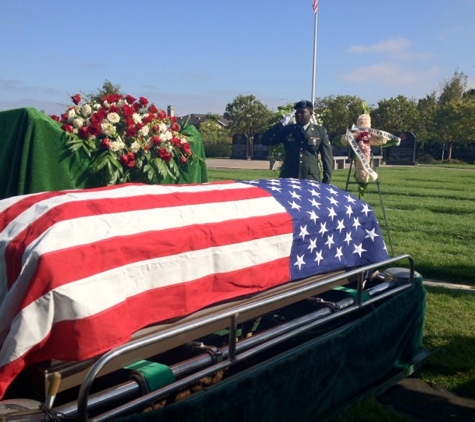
x,y
59,267
88,207
101,332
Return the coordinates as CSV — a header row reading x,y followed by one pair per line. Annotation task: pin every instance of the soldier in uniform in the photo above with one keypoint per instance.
x,y
303,141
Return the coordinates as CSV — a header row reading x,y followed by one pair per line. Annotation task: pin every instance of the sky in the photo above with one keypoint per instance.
x,y
200,55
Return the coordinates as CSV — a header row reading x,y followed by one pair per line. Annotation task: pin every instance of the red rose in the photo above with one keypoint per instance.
x,y
114,109
105,144
174,127
83,132
164,154
97,118
153,109
147,119
155,140
143,101
128,110
161,115
131,131
182,160
186,149
363,137
94,129
112,98
54,117
76,99
64,117
129,99
67,128
136,107
128,160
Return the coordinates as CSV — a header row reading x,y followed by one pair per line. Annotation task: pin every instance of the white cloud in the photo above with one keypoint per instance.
x,y
398,48
391,46
389,74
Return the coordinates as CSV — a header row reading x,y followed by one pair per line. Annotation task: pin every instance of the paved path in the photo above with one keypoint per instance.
x,y
228,163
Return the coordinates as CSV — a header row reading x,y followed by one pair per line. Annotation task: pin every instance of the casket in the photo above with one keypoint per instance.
x,y
118,299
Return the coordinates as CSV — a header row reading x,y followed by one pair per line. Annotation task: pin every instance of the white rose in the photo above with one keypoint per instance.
x,y
120,103
135,147
71,115
164,137
113,117
107,128
136,118
114,146
78,122
86,110
162,127
144,131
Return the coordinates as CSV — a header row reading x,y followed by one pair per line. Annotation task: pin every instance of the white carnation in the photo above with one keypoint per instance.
x,y
135,147
78,122
71,115
115,146
113,117
165,136
86,110
136,118
144,131
107,128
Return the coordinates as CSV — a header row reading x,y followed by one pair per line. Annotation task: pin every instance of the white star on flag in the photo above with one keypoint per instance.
x,y
300,261
359,249
371,234
303,232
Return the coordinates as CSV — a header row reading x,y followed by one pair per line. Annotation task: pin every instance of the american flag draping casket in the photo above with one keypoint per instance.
x,y
82,270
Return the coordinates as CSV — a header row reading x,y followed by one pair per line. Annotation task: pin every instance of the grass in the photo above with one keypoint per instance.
x,y
430,211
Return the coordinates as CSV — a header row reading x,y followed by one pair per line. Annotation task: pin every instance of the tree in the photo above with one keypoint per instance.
x,y
247,115
398,114
454,115
338,113
216,139
426,125
454,121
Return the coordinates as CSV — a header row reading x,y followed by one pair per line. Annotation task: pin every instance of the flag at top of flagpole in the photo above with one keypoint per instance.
x,y
315,6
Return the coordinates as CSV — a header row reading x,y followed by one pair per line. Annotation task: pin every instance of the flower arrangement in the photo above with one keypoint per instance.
x,y
125,139
363,141
360,139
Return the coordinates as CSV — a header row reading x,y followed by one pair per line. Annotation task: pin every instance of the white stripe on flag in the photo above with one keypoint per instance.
x,y
315,6
115,286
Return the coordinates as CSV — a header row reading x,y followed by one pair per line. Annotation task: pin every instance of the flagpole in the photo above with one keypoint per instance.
x,y
314,69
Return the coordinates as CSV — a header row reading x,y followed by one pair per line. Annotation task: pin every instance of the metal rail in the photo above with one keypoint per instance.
x,y
234,351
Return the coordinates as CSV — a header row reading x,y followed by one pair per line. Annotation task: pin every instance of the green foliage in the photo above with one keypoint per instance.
x,y
247,115
395,115
338,112
216,139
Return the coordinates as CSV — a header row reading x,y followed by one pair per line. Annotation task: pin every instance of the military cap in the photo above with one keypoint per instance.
x,y
303,104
